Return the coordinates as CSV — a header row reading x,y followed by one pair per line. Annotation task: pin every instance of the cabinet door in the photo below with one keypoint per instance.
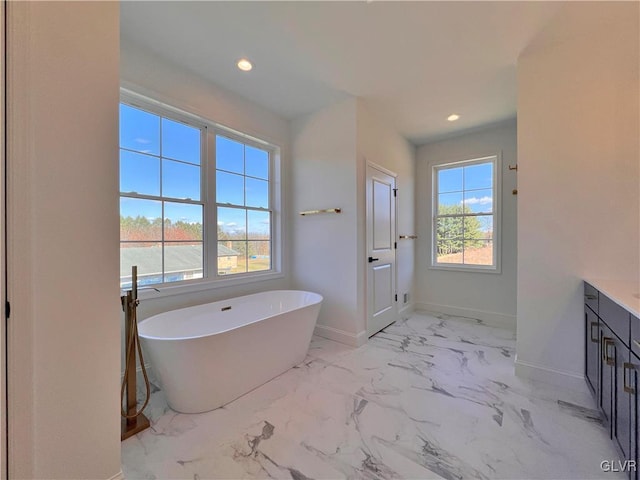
x,y
592,352
607,373
632,373
621,399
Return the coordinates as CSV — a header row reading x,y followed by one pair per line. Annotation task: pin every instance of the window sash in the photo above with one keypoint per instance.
x,y
494,214
209,131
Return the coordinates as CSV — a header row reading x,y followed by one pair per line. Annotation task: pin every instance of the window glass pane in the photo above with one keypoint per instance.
x,y
450,203
182,261
478,252
180,180
258,225
479,201
182,221
139,130
232,223
478,176
450,180
257,193
140,220
147,257
449,250
180,141
472,228
258,256
229,155
139,173
256,162
229,188
486,225
232,257
449,227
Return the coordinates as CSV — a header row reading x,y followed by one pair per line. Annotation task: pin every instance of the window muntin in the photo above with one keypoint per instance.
x,y
167,199
464,218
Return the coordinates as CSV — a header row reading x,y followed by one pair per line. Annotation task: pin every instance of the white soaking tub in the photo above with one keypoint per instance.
x,y
208,355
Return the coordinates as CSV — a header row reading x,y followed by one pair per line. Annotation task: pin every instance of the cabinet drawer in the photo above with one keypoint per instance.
x,y
616,317
591,297
635,335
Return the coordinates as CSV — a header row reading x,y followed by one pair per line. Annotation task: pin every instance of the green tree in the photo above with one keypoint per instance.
x,y
452,232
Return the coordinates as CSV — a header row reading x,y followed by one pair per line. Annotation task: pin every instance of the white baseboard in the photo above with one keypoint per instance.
x,y
337,335
118,476
573,381
493,319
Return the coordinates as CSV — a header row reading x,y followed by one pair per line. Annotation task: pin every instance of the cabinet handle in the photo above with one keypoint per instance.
x,y
628,367
589,296
606,341
594,324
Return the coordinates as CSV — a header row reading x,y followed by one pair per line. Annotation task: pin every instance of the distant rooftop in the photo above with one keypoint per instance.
x,y
177,258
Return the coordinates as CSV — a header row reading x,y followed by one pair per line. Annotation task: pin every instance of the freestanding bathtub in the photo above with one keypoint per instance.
x,y
208,355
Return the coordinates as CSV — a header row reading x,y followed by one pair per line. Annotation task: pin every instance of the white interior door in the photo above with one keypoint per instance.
x,y
381,253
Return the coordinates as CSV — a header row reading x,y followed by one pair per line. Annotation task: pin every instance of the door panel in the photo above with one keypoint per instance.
x,y
382,286
621,433
382,193
591,348
607,355
381,254
633,414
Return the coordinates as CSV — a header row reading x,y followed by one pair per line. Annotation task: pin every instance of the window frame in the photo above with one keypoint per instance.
x,y
210,129
496,267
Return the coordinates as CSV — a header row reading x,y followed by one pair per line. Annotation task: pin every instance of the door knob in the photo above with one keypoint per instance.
x,y
371,259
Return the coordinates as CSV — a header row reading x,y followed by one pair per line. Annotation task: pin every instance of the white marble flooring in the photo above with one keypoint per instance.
x,y
429,397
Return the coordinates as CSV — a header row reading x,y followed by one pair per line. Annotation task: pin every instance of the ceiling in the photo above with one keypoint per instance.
x,y
415,63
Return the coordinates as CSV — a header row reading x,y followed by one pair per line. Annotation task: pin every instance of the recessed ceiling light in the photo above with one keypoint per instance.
x,y
244,65
453,117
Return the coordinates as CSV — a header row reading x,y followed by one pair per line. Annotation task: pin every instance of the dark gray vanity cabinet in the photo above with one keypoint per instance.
x,y
612,368
633,409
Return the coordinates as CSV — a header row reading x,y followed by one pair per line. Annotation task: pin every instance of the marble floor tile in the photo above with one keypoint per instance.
x,y
429,397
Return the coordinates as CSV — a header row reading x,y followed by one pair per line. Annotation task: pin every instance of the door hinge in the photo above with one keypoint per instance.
x,y
396,297
395,244
7,309
395,192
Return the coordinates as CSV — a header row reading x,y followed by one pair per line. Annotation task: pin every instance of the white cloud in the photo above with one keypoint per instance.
x,y
479,201
143,141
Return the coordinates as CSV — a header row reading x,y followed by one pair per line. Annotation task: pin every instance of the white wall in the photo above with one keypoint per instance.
x,y
330,149
380,144
64,420
325,248
148,74
487,296
578,182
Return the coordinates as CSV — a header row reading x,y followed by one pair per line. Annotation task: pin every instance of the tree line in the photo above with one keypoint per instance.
x,y
453,232
141,229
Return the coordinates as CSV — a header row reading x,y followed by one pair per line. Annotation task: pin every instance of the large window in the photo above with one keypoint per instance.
x,y
465,222
180,176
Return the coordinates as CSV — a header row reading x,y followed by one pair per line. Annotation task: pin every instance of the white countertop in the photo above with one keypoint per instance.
x,y
623,293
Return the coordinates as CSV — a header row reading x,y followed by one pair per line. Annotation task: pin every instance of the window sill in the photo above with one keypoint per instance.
x,y
194,286
466,268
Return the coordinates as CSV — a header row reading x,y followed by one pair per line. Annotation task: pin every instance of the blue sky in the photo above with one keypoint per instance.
x,y
151,144
471,185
